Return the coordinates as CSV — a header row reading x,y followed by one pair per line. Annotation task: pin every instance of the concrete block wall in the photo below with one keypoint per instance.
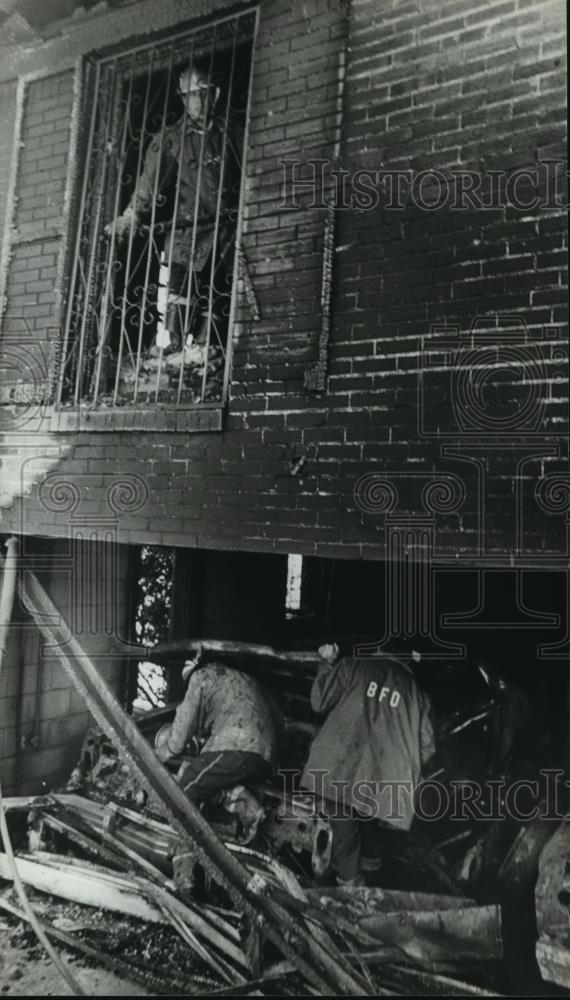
x,y
10,696
43,719
447,86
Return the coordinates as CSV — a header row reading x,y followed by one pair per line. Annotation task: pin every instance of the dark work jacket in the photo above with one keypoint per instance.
x,y
191,159
225,710
376,738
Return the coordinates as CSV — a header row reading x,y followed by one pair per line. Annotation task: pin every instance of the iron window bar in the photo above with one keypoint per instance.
x,y
158,221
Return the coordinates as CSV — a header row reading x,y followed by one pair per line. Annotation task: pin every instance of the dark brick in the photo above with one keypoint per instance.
x,y
446,91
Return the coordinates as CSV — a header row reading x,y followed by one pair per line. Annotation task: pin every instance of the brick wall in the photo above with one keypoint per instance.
x,y
38,208
440,86
34,239
435,91
43,719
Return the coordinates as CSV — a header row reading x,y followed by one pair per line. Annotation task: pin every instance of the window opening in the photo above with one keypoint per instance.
x,y
151,298
293,594
153,613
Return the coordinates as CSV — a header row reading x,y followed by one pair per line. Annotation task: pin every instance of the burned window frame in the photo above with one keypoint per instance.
x,y
84,316
151,592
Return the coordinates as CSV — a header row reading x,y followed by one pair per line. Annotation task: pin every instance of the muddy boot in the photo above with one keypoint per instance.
x,y
350,883
243,804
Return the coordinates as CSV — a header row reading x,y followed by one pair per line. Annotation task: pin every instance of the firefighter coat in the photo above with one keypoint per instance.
x,y
369,753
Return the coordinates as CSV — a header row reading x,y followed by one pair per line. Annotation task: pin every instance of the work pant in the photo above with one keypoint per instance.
x,y
180,305
189,293
347,832
346,846
211,772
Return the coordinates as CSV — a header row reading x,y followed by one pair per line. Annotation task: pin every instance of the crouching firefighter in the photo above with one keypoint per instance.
x,y
228,725
366,761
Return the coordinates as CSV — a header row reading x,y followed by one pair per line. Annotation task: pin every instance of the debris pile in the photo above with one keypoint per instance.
x,y
175,935
166,376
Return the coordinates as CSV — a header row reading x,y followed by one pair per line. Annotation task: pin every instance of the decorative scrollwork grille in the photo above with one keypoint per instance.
x,y
152,289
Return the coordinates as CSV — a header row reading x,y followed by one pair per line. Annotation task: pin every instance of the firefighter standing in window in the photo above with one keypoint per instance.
x,y
366,760
184,164
232,729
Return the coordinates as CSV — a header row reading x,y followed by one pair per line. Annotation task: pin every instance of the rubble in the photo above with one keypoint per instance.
x,y
434,933
158,961
430,929
166,376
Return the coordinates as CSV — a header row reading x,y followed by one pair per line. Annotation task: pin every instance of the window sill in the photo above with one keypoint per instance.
x,y
199,419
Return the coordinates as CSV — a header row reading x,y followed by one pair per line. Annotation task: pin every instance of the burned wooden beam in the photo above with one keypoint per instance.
x,y
246,989
470,934
429,929
82,884
180,648
53,812
318,961
403,981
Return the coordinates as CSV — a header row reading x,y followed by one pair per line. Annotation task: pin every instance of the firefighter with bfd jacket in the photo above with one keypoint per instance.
x,y
366,760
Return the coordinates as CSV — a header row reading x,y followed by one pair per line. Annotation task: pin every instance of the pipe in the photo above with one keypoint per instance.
x,y
7,593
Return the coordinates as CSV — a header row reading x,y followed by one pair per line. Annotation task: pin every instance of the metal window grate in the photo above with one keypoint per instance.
x,y
152,285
